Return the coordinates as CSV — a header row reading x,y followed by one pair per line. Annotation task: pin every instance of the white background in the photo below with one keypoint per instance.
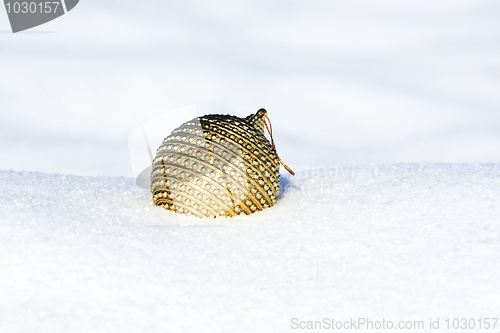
x,y
344,82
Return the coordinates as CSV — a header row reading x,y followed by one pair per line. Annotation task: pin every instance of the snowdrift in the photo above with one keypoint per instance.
x,y
393,242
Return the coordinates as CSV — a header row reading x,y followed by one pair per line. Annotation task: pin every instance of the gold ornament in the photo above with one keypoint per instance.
x,y
217,165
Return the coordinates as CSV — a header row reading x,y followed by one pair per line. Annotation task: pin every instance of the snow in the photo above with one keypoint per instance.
x,y
387,110
399,242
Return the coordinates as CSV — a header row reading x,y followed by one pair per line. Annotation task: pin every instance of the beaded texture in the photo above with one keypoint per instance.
x,y
216,165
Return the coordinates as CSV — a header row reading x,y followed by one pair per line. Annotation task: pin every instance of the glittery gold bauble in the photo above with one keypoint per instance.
x,y
217,165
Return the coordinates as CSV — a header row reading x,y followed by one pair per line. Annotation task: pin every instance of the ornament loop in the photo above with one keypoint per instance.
x,y
263,112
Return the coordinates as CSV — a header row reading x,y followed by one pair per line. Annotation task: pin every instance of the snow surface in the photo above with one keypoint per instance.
x,y
394,242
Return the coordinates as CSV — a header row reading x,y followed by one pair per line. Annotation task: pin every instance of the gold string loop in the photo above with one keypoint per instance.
x,y
270,131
